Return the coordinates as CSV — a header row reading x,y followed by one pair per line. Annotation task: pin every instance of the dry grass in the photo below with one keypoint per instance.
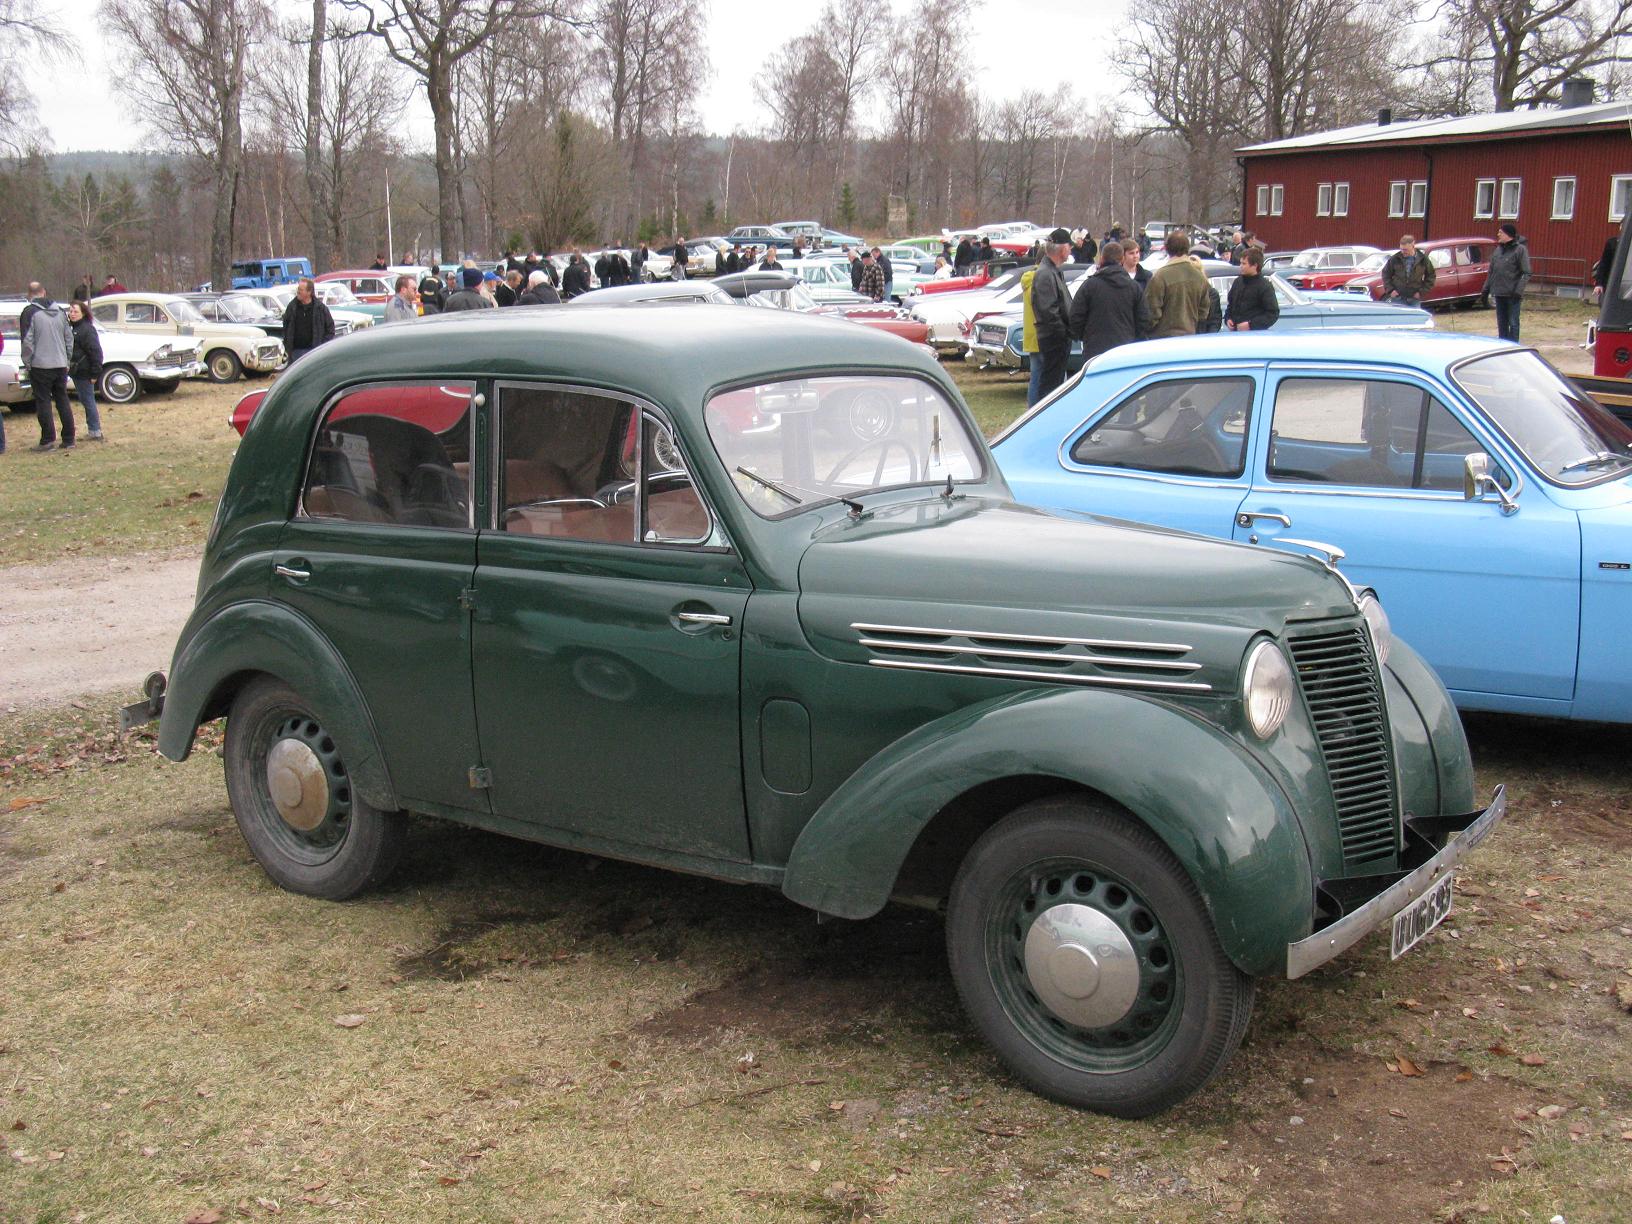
x,y
550,1036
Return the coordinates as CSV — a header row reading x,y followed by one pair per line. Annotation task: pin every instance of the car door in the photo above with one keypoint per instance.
x,y
606,635
1171,449
1372,463
380,554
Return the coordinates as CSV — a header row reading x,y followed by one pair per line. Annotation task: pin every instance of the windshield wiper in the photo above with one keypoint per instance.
x,y
1601,459
771,485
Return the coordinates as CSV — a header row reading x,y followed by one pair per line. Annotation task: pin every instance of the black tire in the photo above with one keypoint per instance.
x,y
222,366
119,384
353,848
1191,1004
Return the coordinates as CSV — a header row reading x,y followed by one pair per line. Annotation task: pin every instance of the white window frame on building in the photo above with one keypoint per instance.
x,y
1484,199
1564,183
1277,199
1263,199
1340,199
1620,184
1418,205
1323,200
1397,192
1505,211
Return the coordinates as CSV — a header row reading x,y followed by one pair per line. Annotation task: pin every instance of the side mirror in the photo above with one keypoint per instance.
x,y
1477,481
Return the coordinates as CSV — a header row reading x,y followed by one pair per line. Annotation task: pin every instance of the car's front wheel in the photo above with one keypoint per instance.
x,y
294,801
223,366
1083,953
119,384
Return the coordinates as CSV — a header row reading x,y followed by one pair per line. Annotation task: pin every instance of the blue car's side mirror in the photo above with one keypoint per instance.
x,y
1477,481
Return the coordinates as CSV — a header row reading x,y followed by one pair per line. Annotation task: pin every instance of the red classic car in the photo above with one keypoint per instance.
x,y
369,285
989,270
1460,267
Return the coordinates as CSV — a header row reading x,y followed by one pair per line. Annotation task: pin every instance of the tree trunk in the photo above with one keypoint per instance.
x,y
324,249
228,166
439,92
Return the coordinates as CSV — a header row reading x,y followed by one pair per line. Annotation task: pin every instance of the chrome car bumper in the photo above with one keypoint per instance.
x,y
1340,936
266,359
170,373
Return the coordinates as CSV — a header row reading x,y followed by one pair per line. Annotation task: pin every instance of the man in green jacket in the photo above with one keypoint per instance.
x,y
1178,296
1408,275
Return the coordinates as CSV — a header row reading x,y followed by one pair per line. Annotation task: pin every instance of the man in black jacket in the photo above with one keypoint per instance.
x,y
307,322
1051,312
1253,305
469,295
430,291
575,279
539,291
1109,308
964,256
1137,271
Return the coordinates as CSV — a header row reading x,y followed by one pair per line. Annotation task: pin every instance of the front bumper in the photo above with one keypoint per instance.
x,y
170,373
266,358
1337,938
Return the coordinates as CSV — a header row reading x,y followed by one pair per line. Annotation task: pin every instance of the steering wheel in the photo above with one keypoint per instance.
x,y
883,446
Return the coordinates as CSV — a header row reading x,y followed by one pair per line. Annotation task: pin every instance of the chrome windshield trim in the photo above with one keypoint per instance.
x,y
992,636
1331,941
1042,655
1192,686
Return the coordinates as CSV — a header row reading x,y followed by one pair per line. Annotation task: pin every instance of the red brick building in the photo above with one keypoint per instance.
x,y
1563,176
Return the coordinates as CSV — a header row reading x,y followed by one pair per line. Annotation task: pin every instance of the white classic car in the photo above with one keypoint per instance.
x,y
276,299
131,364
229,348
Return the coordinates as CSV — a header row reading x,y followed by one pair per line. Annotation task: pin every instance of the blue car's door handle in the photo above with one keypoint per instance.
x,y
1246,518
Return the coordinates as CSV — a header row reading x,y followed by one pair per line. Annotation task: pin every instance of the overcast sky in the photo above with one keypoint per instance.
x,y
80,109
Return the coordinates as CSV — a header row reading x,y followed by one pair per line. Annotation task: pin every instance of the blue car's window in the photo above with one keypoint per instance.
x,y
1181,426
1373,432
1570,439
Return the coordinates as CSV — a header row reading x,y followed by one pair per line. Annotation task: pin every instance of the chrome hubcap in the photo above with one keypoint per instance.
x,y
1081,966
299,787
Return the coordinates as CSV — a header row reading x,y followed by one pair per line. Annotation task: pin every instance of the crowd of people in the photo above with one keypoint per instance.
x,y
60,345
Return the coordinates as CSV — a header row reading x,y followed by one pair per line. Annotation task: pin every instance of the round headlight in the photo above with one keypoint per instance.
x,y
1266,689
1382,634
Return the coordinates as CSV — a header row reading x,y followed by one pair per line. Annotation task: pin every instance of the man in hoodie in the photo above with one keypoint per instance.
x,y
1109,308
1051,311
1509,274
469,296
48,340
1179,296
1253,305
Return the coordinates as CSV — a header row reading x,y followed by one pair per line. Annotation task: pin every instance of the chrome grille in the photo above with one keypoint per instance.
x,y
1337,673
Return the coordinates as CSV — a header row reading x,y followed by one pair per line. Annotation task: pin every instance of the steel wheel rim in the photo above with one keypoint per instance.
x,y
1132,1039
871,415
221,367
117,386
310,833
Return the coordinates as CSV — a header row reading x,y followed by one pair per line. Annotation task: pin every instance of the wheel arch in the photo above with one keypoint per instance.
x,y
254,638
901,821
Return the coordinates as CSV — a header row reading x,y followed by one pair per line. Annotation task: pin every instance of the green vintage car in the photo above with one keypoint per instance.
x,y
743,594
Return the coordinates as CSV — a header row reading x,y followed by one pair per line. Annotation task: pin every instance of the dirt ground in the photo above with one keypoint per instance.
x,y
87,626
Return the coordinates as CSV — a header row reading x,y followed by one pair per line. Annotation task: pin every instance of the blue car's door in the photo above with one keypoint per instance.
x,y
1171,449
1372,463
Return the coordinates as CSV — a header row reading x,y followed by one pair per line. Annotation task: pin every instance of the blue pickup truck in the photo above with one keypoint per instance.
x,y
267,273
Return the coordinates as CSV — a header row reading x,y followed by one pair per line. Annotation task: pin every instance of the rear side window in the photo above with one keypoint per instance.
x,y
1181,426
394,454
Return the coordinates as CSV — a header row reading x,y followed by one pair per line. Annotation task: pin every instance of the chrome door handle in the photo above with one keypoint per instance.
x,y
284,571
703,618
1245,518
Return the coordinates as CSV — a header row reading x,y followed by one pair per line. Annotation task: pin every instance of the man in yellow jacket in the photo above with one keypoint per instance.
x,y
1028,340
1178,296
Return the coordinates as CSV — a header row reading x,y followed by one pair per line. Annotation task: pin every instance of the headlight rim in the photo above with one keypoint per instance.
x,y
1378,627
1262,654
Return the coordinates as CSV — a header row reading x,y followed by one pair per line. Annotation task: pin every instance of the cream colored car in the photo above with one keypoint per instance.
x,y
230,349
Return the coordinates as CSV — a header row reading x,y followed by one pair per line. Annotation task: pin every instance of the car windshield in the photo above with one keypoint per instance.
x,y
334,293
1373,262
240,309
797,443
183,311
1569,438
794,297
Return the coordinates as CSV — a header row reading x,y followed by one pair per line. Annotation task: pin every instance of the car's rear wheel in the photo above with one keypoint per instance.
x,y
1083,953
119,384
222,365
295,805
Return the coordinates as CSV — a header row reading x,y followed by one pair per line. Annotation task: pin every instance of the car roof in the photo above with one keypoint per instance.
x,y
741,284
654,291
349,272
135,295
1427,350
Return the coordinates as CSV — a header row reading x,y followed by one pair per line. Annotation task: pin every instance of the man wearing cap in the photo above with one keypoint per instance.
x,y
469,295
1051,311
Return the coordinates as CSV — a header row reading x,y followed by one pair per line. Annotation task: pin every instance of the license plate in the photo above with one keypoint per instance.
x,y
1412,924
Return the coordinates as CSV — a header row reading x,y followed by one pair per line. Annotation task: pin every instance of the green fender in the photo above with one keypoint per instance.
x,y
259,636
1202,793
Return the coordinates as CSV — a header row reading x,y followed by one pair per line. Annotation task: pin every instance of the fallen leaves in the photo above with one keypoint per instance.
x,y
351,1020
1532,1060
1406,1067
17,805
209,1215
1102,1172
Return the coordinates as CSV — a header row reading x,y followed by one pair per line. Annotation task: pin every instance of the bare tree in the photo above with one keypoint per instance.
x,y
317,188
26,30
1527,49
1311,64
187,74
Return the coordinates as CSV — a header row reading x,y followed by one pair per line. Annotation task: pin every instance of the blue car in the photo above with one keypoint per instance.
x,y
1481,494
997,339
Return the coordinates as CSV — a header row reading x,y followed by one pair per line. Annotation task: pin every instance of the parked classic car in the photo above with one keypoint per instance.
x,y
951,316
985,272
461,566
760,236
131,364
785,291
827,279
370,287
349,314
1460,268
16,392
1483,496
1328,279
998,339
229,348
1322,263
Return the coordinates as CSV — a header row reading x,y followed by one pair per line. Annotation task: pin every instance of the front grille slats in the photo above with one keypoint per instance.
x,y
1337,673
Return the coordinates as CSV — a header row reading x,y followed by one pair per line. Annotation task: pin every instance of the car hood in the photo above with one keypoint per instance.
x,y
960,304
1340,308
997,576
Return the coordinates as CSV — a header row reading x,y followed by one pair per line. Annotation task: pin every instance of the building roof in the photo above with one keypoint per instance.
x,y
1465,127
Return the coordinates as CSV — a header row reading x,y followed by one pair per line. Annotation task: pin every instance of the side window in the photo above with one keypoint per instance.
x,y
1369,432
1440,257
1186,427
141,312
105,314
395,454
570,471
